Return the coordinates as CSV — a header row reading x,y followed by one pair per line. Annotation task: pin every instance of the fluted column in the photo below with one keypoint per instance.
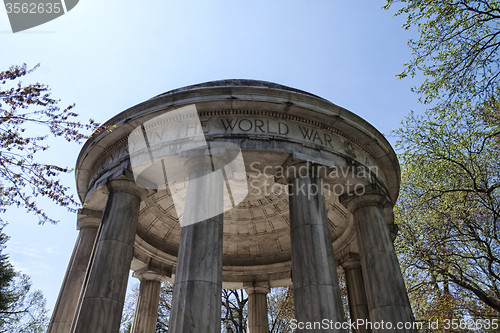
x,y
385,288
315,282
64,310
102,300
146,309
197,294
356,294
257,307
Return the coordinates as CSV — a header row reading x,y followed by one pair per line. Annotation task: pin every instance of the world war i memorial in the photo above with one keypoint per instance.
x,y
235,184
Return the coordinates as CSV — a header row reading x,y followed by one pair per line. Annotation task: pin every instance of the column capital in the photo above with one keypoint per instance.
x,y
295,166
215,157
350,261
373,195
257,287
150,274
87,218
127,185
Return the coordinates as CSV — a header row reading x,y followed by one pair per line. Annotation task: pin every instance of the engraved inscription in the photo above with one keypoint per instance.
x,y
316,136
264,126
310,136
255,126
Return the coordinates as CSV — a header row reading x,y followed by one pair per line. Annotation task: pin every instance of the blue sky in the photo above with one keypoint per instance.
x,y
108,56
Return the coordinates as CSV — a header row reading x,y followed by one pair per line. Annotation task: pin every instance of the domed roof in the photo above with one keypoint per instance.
x,y
236,83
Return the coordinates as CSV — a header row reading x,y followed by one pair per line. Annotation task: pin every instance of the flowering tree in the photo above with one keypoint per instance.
x,y
25,109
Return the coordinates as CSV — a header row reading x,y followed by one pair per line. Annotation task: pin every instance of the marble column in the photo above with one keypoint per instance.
x,y
385,289
257,307
356,294
101,303
146,309
88,223
314,274
197,294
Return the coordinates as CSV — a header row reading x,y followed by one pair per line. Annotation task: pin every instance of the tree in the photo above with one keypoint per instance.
x,y
164,307
21,310
7,274
280,309
449,214
457,51
234,311
233,318
27,113
449,203
27,313
345,298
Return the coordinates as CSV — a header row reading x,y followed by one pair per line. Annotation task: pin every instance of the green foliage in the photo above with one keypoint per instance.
x,y
280,309
21,310
449,214
30,109
450,203
7,274
457,50
27,314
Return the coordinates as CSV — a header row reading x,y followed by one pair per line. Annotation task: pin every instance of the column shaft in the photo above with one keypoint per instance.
x,y
67,300
197,295
146,309
314,274
357,296
257,308
384,284
102,300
